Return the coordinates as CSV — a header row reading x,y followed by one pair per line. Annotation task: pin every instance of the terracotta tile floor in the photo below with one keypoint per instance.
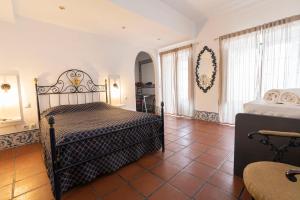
x,y
197,164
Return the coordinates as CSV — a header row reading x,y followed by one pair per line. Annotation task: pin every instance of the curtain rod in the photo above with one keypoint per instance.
x,y
177,49
259,27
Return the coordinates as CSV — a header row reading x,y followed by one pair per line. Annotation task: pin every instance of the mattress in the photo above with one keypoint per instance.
x,y
280,110
90,130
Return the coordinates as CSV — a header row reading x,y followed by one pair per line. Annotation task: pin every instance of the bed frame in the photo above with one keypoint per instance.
x,y
77,82
251,147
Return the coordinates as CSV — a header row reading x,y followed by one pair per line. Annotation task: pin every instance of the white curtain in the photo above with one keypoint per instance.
x,y
169,82
256,62
281,57
184,82
240,74
177,89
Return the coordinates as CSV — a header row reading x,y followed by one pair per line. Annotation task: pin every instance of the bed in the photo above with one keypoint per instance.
x,y
260,107
261,116
82,141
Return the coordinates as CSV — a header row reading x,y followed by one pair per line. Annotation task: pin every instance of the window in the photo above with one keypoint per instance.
x,y
281,57
176,75
258,61
10,101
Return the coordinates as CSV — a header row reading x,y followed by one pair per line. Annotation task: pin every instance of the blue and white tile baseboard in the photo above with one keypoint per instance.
x,y
32,136
201,115
206,116
18,139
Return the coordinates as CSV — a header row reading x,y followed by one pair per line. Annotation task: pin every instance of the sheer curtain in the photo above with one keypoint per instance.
x,y
169,82
176,78
184,80
281,57
255,62
240,74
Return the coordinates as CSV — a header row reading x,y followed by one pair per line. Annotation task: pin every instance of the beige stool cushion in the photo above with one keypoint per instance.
x,y
267,181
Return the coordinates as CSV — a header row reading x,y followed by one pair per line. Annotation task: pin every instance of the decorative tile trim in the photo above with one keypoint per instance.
x,y
19,139
206,116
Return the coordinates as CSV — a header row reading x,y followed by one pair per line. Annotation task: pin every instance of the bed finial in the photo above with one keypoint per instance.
x,y
37,98
51,121
162,104
106,95
163,125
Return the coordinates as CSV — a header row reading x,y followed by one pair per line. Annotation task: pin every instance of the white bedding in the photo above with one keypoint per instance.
x,y
281,110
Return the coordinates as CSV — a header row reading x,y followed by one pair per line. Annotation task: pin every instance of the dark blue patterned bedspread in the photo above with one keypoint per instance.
x,y
76,127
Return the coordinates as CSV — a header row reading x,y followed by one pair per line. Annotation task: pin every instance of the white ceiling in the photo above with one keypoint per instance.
x,y
200,10
151,23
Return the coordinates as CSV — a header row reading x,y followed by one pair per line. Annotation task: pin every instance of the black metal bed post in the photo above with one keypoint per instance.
x,y
106,96
57,191
163,126
37,99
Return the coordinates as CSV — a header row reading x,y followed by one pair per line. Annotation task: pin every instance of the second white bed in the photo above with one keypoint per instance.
x,y
281,110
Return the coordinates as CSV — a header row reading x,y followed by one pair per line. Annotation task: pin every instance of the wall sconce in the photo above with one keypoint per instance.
x,y
114,90
10,99
115,85
5,87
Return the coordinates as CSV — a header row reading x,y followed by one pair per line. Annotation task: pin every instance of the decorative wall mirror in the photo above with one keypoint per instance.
x,y
206,69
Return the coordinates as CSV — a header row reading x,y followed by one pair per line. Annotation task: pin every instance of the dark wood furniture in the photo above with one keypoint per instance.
x,y
249,150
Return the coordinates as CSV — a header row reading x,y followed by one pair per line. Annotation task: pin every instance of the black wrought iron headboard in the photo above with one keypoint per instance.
x,y
73,81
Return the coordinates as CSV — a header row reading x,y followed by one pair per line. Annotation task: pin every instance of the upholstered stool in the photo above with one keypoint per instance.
x,y
270,181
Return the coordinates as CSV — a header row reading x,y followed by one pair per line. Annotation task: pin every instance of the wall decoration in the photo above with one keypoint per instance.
x,y
206,69
19,139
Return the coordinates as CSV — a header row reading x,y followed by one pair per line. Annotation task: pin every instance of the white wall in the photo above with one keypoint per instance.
x,y
250,17
42,50
36,49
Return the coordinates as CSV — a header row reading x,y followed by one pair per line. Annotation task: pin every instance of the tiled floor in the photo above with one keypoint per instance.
x,y
197,164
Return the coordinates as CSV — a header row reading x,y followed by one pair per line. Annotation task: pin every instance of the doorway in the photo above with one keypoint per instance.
x,y
144,83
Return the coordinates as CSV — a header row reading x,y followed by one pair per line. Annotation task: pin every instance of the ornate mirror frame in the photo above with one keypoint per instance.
x,y
214,72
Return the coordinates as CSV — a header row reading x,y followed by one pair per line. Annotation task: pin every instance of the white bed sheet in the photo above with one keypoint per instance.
x,y
280,110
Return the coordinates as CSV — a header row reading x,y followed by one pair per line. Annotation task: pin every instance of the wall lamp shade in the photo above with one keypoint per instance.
x,y
114,89
5,87
10,99
115,85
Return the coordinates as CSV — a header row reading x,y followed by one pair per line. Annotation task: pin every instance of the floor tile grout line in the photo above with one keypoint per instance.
x,y
33,189
173,154
35,174
193,160
14,175
210,145
216,170
168,181
207,180
164,181
132,187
